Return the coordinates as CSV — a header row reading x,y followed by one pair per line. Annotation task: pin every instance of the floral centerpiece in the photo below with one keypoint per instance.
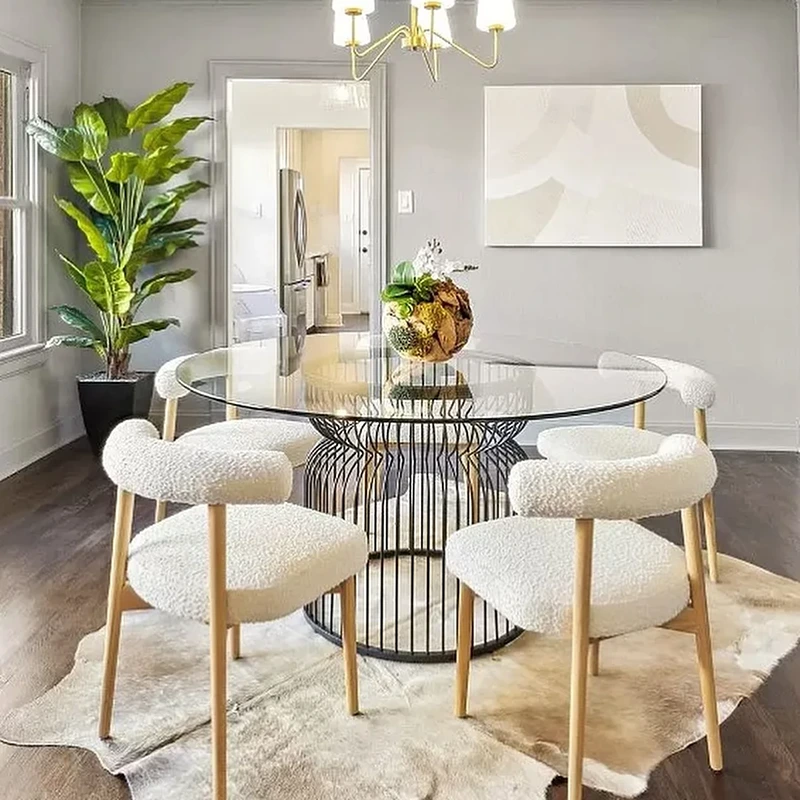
x,y
428,317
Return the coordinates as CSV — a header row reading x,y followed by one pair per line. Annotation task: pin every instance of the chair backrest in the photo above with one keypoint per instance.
x,y
139,461
167,384
678,476
696,387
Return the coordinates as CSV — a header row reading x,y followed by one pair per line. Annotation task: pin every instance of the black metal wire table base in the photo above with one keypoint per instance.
x,y
409,485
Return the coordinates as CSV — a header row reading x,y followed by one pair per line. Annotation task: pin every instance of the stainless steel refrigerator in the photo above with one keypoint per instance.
x,y
294,282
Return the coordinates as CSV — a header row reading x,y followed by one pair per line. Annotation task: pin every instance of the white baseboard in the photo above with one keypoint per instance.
x,y
24,453
721,435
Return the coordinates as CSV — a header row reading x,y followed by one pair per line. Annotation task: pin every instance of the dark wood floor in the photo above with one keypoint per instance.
x,y
55,543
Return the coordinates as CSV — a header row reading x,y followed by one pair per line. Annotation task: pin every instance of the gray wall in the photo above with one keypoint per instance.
x,y
731,307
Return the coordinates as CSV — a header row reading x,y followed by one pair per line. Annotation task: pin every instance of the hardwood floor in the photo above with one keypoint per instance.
x,y
55,542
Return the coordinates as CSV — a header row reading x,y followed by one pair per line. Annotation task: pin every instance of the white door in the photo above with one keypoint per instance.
x,y
355,250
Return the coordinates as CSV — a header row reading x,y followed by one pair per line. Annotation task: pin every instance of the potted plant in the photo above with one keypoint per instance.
x,y
428,318
118,160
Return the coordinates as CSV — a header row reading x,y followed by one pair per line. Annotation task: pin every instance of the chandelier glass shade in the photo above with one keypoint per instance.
x,y
427,32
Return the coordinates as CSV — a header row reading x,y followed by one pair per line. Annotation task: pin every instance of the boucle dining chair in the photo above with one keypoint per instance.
x,y
248,557
295,439
696,388
556,571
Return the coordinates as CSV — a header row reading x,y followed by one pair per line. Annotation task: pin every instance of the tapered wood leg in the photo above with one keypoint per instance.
x,y
235,641
168,435
348,600
218,635
123,522
594,657
710,520
705,659
464,649
639,414
581,610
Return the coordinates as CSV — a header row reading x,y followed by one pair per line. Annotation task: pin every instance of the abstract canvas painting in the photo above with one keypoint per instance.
x,y
583,166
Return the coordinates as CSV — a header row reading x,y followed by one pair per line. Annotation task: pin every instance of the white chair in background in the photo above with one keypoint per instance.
x,y
241,554
696,388
295,439
593,581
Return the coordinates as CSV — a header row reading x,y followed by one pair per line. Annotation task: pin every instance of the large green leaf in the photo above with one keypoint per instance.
x,y
129,334
93,129
171,133
66,143
123,165
87,181
77,319
73,341
156,284
115,116
153,163
74,272
108,287
180,226
169,197
174,167
94,237
155,108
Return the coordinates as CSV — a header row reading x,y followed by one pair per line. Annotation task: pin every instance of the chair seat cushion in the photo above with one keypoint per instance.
x,y
597,443
524,567
279,557
295,439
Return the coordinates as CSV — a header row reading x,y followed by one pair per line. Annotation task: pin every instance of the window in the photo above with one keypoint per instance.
x,y
18,270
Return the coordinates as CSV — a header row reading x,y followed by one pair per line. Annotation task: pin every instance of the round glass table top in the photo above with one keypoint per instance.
x,y
358,376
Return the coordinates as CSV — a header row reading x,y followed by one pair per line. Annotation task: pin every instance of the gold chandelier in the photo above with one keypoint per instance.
x,y
427,33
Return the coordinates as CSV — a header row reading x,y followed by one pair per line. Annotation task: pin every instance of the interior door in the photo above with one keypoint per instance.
x,y
365,239
355,242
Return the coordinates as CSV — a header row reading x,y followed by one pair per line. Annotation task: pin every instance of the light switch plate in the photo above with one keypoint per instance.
x,y
405,201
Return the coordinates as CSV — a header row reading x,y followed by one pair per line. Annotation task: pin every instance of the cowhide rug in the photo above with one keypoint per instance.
x,y
289,736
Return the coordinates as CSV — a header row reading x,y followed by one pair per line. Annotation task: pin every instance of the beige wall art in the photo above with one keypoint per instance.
x,y
593,166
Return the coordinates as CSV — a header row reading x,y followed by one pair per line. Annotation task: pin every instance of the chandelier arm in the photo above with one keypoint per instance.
x,y
354,55
433,68
486,64
391,37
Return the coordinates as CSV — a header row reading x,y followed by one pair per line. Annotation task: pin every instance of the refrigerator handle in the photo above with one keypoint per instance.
x,y
301,233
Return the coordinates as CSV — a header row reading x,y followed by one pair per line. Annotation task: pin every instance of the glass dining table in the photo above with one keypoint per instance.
x,y
413,451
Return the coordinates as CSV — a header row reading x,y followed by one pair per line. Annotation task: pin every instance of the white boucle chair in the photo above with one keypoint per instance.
x,y
256,561
293,438
599,442
604,580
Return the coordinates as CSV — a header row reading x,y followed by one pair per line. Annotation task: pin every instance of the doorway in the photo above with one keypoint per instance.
x,y
279,118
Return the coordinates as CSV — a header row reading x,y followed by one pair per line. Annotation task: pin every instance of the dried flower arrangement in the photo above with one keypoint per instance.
x,y
428,317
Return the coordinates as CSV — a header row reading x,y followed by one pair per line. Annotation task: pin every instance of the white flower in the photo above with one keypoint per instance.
x,y
430,260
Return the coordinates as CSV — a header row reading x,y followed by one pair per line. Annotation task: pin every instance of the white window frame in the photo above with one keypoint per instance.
x,y
28,65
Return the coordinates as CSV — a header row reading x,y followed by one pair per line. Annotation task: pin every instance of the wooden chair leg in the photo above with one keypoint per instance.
x,y
348,601
235,641
161,510
594,657
218,636
464,649
710,520
705,658
123,522
639,413
581,609
168,435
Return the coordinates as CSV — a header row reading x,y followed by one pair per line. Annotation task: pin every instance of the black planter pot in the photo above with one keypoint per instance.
x,y
105,403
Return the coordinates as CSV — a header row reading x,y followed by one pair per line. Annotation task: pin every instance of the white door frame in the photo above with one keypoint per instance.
x,y
222,73
349,236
